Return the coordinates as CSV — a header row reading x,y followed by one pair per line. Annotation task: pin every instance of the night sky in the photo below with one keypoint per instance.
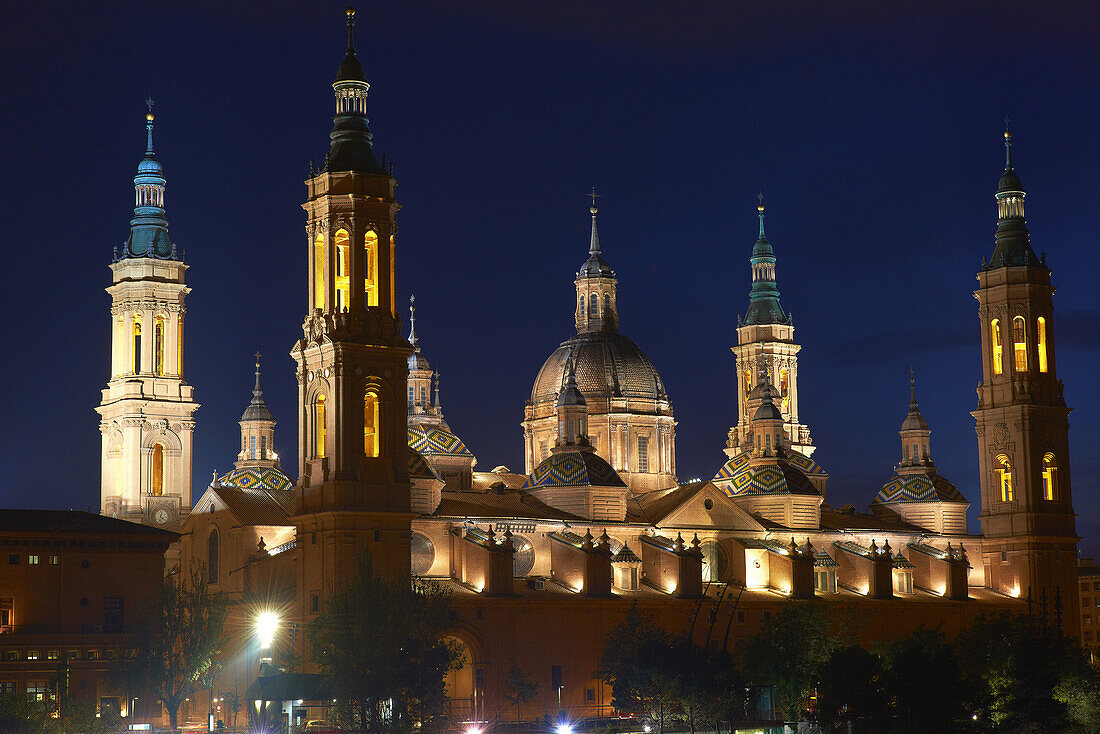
x,y
873,130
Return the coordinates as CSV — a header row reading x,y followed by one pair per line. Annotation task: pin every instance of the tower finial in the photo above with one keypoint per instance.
x,y
1008,144
594,242
412,322
351,24
257,393
760,212
149,117
912,390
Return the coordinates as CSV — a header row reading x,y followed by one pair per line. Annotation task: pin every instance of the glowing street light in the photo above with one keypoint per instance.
x,y
267,623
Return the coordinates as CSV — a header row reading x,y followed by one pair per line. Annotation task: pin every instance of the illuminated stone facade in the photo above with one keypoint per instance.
x,y
147,408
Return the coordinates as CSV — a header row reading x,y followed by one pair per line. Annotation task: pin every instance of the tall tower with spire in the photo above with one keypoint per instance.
x,y
353,493
765,340
257,432
147,408
1022,421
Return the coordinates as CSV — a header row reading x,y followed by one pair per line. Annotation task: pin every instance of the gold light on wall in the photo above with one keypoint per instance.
x,y
1041,342
995,335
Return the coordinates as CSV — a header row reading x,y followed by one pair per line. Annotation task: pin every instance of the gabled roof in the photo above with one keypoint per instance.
x,y
833,519
506,504
249,506
75,522
684,506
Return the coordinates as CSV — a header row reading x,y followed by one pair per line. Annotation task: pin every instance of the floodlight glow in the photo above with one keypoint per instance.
x,y
266,625
472,729
564,728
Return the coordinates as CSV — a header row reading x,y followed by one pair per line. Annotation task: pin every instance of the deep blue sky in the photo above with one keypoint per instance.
x,y
873,129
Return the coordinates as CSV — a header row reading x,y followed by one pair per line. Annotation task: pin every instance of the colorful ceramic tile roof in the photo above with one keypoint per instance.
x,y
419,468
431,440
253,478
919,488
783,475
574,469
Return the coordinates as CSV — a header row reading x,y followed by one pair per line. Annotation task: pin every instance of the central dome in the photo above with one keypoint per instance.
x,y
608,365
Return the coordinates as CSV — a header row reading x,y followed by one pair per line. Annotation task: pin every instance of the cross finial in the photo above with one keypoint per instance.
x,y
412,320
593,196
149,102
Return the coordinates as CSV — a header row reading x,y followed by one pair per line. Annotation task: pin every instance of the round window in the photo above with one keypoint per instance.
x,y
423,554
708,503
524,559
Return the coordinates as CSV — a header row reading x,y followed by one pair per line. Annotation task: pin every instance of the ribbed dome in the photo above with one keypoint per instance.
x,y
607,365
1009,182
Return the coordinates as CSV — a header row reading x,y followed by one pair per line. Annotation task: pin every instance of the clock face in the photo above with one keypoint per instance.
x,y
161,516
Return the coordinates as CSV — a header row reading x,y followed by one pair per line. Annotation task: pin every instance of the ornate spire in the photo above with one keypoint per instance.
x,y
1008,144
764,306
351,148
148,227
594,242
1013,239
257,410
257,393
412,322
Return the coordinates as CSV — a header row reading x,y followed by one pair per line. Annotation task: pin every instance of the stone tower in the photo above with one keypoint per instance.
x,y
353,493
765,340
146,410
1022,422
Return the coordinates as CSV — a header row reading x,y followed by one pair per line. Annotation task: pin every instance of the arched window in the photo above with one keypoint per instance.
x,y
319,271
1041,342
319,426
594,305
606,304
137,344
212,556
370,271
411,395
157,488
371,425
1050,477
1019,343
423,395
1004,478
158,345
343,253
784,388
581,311
995,336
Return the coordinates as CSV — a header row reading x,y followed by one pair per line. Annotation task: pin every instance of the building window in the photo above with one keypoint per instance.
x,y
32,654
263,447
13,559
137,344
594,305
11,654
7,687
319,271
995,336
53,654
542,450
903,581
315,602
7,611
606,304
213,554
590,695
251,447
112,614
371,424
643,454
157,488
342,280
36,690
93,654
370,267
158,345
581,309
1004,556
825,580
1050,477
319,426
424,396
54,560
32,559
74,655
784,389
1019,343
1004,478
1041,342
1088,619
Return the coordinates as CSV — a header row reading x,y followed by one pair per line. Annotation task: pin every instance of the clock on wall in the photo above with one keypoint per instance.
x,y
161,516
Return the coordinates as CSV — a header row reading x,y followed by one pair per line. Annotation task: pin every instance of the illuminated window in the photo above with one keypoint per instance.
x,y
784,385
995,335
137,344
1004,478
319,426
212,555
343,252
825,580
643,454
411,395
36,690
319,272
903,581
371,424
370,267
1019,343
158,345
1050,477
33,559
158,471
542,450
1041,342
252,447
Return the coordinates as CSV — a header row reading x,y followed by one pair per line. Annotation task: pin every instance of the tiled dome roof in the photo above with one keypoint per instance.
x,y
783,475
253,478
919,488
430,440
607,365
419,468
574,469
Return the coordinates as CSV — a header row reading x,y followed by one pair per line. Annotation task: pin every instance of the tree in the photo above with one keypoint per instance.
x,y
709,688
178,651
519,688
851,691
936,704
638,661
381,645
787,652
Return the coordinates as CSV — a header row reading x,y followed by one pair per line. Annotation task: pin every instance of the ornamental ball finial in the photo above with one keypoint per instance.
x,y
351,11
149,116
1008,135
593,209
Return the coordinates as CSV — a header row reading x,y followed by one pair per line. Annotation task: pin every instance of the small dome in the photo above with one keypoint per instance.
x,y
419,468
767,411
595,266
914,422
251,478
782,475
350,69
150,165
919,488
429,440
573,469
418,361
1009,182
607,365
257,411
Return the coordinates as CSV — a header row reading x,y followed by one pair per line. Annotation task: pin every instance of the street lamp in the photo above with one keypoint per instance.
x,y
267,623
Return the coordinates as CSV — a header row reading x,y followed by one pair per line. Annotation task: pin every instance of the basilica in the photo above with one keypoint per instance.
x,y
542,563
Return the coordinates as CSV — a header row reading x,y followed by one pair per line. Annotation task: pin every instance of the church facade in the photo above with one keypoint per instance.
x,y
542,563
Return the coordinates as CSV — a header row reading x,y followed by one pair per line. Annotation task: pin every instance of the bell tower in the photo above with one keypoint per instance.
x,y
352,360
147,408
1022,422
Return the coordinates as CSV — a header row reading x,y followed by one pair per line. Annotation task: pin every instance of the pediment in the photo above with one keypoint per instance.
x,y
709,508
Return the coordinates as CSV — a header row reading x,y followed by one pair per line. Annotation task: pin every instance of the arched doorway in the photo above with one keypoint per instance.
x,y
465,685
